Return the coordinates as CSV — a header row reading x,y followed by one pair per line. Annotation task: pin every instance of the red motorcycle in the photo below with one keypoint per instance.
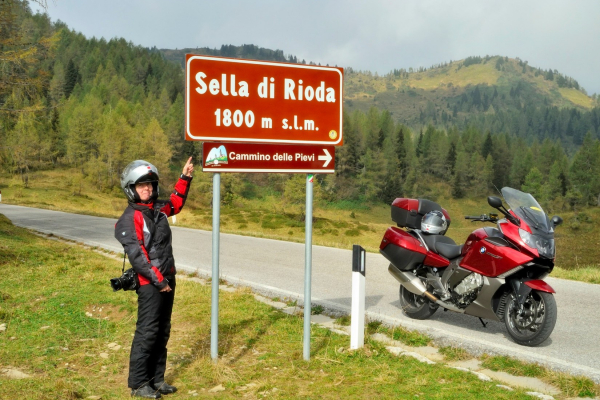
x,y
497,274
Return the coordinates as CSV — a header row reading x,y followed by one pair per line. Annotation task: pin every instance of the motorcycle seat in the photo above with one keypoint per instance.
x,y
449,251
442,245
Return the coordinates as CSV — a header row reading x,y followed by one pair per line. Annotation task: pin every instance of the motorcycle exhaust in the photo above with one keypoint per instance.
x,y
411,282
414,285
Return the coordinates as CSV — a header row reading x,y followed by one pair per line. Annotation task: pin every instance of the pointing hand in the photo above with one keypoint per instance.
x,y
188,168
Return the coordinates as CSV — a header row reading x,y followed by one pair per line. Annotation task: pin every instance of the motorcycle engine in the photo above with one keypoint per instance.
x,y
467,290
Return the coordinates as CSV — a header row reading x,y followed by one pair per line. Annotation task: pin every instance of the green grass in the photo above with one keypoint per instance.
x,y
452,353
512,366
344,320
590,274
61,317
569,385
317,310
411,338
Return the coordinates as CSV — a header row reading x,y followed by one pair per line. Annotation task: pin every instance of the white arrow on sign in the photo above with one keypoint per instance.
x,y
327,158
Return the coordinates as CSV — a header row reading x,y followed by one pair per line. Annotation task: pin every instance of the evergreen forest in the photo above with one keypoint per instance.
x,y
93,105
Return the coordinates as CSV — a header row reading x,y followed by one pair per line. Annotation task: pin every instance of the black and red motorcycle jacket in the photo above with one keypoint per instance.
x,y
145,234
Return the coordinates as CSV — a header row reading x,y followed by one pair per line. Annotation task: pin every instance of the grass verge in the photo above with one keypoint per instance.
x,y
70,334
570,386
589,274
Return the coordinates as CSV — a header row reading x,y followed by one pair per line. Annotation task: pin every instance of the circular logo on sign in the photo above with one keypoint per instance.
x,y
332,134
482,250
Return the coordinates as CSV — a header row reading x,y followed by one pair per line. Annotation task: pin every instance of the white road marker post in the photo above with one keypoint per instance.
x,y
357,327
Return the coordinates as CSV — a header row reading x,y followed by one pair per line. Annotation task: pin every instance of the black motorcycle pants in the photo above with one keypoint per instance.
x,y
148,357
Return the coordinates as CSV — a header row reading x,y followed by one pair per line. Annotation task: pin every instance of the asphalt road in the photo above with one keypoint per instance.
x,y
276,268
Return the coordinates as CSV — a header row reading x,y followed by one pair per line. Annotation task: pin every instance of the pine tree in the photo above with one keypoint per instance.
x,y
521,165
501,152
488,145
373,175
488,175
533,184
391,187
347,158
451,159
372,128
419,148
459,181
585,171
402,154
71,78
380,139
556,185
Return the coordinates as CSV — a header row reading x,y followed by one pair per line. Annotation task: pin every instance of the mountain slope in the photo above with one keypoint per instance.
x,y
490,84
247,51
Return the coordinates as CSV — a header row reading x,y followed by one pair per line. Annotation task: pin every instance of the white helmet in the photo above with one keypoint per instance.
x,y
434,223
139,171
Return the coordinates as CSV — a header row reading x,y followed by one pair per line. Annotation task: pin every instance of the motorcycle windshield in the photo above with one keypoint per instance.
x,y
527,208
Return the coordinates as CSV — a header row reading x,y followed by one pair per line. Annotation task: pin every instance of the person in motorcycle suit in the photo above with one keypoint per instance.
x,y
144,232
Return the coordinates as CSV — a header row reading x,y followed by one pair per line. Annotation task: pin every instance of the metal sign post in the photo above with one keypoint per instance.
x,y
308,264
214,310
357,328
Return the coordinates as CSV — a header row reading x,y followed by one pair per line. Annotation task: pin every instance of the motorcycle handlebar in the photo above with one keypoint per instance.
x,y
483,217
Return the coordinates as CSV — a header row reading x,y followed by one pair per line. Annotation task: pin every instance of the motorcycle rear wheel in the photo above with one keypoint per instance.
x,y
415,306
533,323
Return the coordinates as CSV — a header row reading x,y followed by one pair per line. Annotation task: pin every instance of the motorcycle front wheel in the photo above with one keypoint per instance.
x,y
531,323
415,306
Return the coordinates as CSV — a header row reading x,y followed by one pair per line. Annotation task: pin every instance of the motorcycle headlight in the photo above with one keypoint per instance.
x,y
545,247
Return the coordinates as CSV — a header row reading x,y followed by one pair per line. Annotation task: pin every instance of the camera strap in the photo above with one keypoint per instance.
x,y
123,268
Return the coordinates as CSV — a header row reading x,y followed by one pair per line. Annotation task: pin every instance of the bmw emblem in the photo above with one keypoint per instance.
x,y
482,250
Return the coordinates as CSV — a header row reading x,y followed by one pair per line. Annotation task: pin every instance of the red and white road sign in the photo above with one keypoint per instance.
x,y
262,102
262,157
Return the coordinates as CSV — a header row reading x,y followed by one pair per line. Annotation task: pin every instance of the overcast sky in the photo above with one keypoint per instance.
x,y
375,35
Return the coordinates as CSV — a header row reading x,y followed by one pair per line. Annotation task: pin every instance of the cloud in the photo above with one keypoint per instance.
x,y
377,35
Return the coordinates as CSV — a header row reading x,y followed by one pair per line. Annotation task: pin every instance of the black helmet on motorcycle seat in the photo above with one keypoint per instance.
x,y
139,171
434,223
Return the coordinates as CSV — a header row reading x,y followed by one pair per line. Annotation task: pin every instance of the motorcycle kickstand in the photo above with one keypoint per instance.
x,y
483,323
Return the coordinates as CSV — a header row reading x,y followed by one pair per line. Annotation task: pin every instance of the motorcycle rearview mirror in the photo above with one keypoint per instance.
x,y
494,201
556,220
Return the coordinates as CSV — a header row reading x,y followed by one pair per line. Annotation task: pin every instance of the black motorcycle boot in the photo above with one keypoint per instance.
x,y
165,388
146,392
